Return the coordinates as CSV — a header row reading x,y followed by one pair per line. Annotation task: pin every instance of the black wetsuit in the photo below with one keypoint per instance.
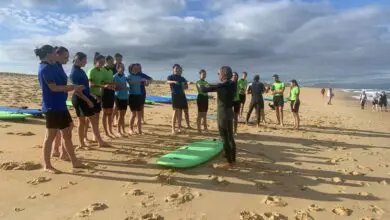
x,y
257,89
225,92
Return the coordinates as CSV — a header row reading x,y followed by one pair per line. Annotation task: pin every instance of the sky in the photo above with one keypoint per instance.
x,y
309,40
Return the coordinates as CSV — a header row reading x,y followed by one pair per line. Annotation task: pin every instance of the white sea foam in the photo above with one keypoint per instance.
x,y
370,93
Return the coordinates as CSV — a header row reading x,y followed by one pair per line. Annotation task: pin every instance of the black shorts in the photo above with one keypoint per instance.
x,y
136,103
279,101
259,103
81,107
97,106
295,106
179,101
242,98
375,102
236,107
121,104
108,98
203,103
58,120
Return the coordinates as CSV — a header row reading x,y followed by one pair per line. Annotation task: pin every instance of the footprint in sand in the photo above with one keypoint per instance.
x,y
363,194
184,194
135,192
136,161
342,211
39,180
303,215
92,208
165,179
275,201
152,216
219,180
360,183
367,218
376,210
20,166
316,208
337,180
261,186
38,146
383,182
248,215
19,209
356,173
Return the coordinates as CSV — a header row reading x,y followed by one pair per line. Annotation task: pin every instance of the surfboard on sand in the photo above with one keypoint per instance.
x,y
13,116
192,154
33,112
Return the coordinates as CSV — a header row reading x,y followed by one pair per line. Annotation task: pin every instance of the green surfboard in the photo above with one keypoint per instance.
x,y
13,116
69,103
192,154
149,102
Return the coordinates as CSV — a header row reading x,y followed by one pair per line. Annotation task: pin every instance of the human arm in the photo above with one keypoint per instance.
x,y
209,88
48,78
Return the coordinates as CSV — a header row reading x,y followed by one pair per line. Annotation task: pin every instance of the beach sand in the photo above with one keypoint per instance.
x,y
335,167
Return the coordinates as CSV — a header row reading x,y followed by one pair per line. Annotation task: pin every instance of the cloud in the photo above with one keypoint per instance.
x,y
293,38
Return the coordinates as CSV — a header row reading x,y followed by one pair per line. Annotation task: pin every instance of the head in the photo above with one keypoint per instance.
x,y
135,68
109,61
46,53
294,83
202,74
276,77
62,55
80,59
244,75
225,73
256,78
120,67
177,69
99,60
234,76
118,58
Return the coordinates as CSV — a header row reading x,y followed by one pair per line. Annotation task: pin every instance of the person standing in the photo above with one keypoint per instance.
x,y
146,81
121,97
363,99
179,100
236,103
383,101
277,89
257,90
330,96
295,102
202,101
225,92
108,96
136,101
242,87
54,94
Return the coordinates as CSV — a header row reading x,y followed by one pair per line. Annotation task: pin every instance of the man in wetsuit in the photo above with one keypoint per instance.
x,y
225,91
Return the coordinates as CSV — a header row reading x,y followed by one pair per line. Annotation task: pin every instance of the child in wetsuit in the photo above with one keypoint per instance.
x,y
225,91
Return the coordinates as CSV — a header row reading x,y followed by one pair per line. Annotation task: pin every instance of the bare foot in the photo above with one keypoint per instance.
x,y
174,132
79,165
64,157
131,132
51,169
104,145
55,154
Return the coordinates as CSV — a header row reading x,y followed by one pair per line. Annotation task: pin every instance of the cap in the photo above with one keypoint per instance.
x,y
276,76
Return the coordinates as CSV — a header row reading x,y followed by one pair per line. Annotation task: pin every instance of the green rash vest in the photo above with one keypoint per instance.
x,y
95,75
278,86
294,93
242,84
199,84
108,76
237,93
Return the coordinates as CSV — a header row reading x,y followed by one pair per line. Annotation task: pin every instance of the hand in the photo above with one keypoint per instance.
x,y
107,86
78,88
113,87
98,100
90,104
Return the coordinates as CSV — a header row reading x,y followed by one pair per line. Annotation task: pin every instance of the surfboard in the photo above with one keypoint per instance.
x,y
69,103
271,99
149,102
12,116
192,154
159,99
33,112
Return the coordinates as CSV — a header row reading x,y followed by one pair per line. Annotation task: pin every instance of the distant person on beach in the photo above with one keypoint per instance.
x,y
179,101
242,87
383,101
277,89
375,102
136,100
295,102
58,149
53,83
202,101
363,99
108,96
323,92
257,90
226,92
83,102
121,97
236,103
330,96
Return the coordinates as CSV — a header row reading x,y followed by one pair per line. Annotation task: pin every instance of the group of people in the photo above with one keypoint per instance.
x,y
379,101
107,88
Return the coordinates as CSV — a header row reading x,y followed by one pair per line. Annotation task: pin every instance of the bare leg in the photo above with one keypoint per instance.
x,y
277,114
187,117
56,145
132,120
235,123
280,109
179,118
174,117
47,147
139,121
262,113
143,115
81,131
105,122
204,116
95,128
121,122
198,121
110,120
67,135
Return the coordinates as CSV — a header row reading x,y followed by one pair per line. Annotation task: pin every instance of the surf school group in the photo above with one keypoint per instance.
x,y
106,87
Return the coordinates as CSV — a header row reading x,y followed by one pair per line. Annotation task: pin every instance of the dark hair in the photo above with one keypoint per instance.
x,y
43,51
202,71
176,65
117,55
131,66
109,58
228,71
256,78
245,73
97,57
295,82
61,50
79,56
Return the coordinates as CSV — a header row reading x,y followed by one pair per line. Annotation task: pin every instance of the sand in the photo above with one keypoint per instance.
x,y
336,167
